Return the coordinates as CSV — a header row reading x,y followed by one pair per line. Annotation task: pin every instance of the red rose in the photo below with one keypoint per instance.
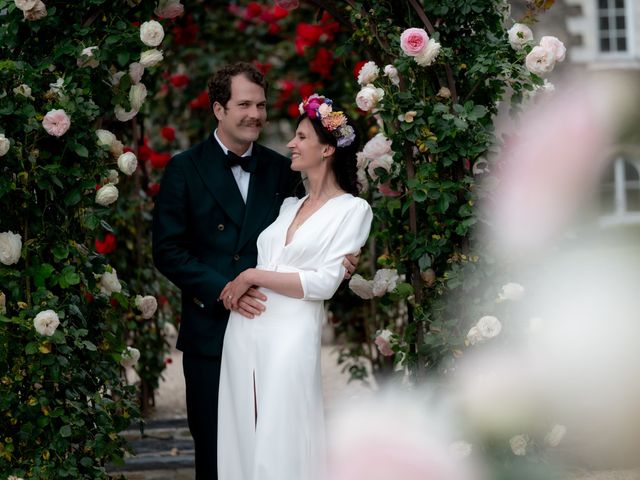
x,y
322,63
88,297
253,10
279,12
201,102
144,153
153,189
293,111
288,4
162,300
168,133
263,67
106,245
273,29
114,302
159,160
307,35
307,89
179,80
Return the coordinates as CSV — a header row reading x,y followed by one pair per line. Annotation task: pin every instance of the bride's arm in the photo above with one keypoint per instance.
x,y
284,283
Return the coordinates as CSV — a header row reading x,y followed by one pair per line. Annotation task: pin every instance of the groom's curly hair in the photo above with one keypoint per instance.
x,y
220,83
344,164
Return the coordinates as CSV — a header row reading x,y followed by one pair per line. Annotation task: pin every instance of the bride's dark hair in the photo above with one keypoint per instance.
x,y
344,164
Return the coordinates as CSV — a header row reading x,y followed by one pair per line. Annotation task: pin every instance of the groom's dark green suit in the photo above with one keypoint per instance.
x,y
204,236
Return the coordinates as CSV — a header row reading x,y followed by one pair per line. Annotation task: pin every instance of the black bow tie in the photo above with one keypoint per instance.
x,y
247,163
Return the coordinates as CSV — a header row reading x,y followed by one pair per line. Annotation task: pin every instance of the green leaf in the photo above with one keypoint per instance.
x,y
89,346
72,198
41,273
60,251
81,150
424,262
65,431
31,348
419,195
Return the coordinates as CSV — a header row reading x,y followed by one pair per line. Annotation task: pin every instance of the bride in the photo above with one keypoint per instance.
x,y
271,424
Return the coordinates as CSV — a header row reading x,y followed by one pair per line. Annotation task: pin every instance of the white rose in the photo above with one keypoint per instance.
x,y
363,181
489,327
368,97
25,5
137,94
151,33
58,86
109,283
368,73
136,70
385,280
378,146
149,58
324,110
24,90
428,54
105,137
519,36
130,357
112,176
444,92
10,247
106,195
385,162
392,73
556,46
361,287
147,305
461,449
361,160
555,436
540,60
5,143
519,444
3,303
474,336
87,58
123,115
127,163
38,11
115,77
46,322
511,291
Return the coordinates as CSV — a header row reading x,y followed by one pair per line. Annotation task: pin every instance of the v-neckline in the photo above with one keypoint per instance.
x,y
297,209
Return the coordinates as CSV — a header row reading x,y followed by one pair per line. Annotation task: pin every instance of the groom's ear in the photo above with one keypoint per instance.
x,y
218,110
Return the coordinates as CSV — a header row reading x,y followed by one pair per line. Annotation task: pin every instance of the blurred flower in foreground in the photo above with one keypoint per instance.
x,y
394,437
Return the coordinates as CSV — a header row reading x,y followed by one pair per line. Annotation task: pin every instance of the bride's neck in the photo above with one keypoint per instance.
x,y
323,187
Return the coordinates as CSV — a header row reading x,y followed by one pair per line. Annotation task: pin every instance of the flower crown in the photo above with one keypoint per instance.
x,y
317,106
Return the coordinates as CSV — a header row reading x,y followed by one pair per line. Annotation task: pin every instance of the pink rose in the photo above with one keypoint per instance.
x,y
169,9
383,342
413,41
554,45
56,122
386,190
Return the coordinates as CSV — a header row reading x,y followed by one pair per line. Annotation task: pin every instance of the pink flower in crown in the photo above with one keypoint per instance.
x,y
312,105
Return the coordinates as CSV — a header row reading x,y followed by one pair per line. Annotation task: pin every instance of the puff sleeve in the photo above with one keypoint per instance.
x,y
351,234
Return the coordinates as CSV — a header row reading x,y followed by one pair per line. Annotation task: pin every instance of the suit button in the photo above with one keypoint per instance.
x,y
236,257
221,227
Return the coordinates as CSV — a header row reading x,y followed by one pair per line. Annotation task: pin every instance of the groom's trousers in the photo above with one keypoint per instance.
x,y
202,378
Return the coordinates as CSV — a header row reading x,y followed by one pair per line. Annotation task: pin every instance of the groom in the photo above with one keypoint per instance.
x,y
214,201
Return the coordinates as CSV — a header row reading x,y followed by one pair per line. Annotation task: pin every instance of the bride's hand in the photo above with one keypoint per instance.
x,y
233,290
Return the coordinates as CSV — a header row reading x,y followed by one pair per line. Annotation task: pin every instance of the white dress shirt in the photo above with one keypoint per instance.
x,y
242,177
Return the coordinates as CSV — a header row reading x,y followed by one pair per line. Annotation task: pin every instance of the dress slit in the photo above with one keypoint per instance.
x,y
255,403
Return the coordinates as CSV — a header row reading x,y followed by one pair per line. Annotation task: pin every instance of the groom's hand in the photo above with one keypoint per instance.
x,y
350,263
250,304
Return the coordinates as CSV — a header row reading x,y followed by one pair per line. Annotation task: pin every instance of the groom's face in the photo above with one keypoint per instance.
x,y
241,120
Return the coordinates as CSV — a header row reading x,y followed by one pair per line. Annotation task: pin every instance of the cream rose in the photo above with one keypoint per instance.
x,y
112,177
10,248
429,54
57,88
56,122
361,287
519,445
106,195
474,336
147,305
385,280
137,94
407,117
149,58
555,436
384,161
489,327
46,322
3,304
109,283
376,147
363,181
444,92
5,144
127,163
511,291
25,5
130,357
554,45
392,73
24,90
136,70
105,137
519,36
124,116
151,33
368,73
38,11
169,9
87,58
540,60
368,97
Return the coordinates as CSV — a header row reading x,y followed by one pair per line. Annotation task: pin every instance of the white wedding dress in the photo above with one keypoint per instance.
x,y
271,423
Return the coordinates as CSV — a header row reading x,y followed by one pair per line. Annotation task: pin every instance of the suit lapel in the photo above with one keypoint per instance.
x,y
220,181
262,194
